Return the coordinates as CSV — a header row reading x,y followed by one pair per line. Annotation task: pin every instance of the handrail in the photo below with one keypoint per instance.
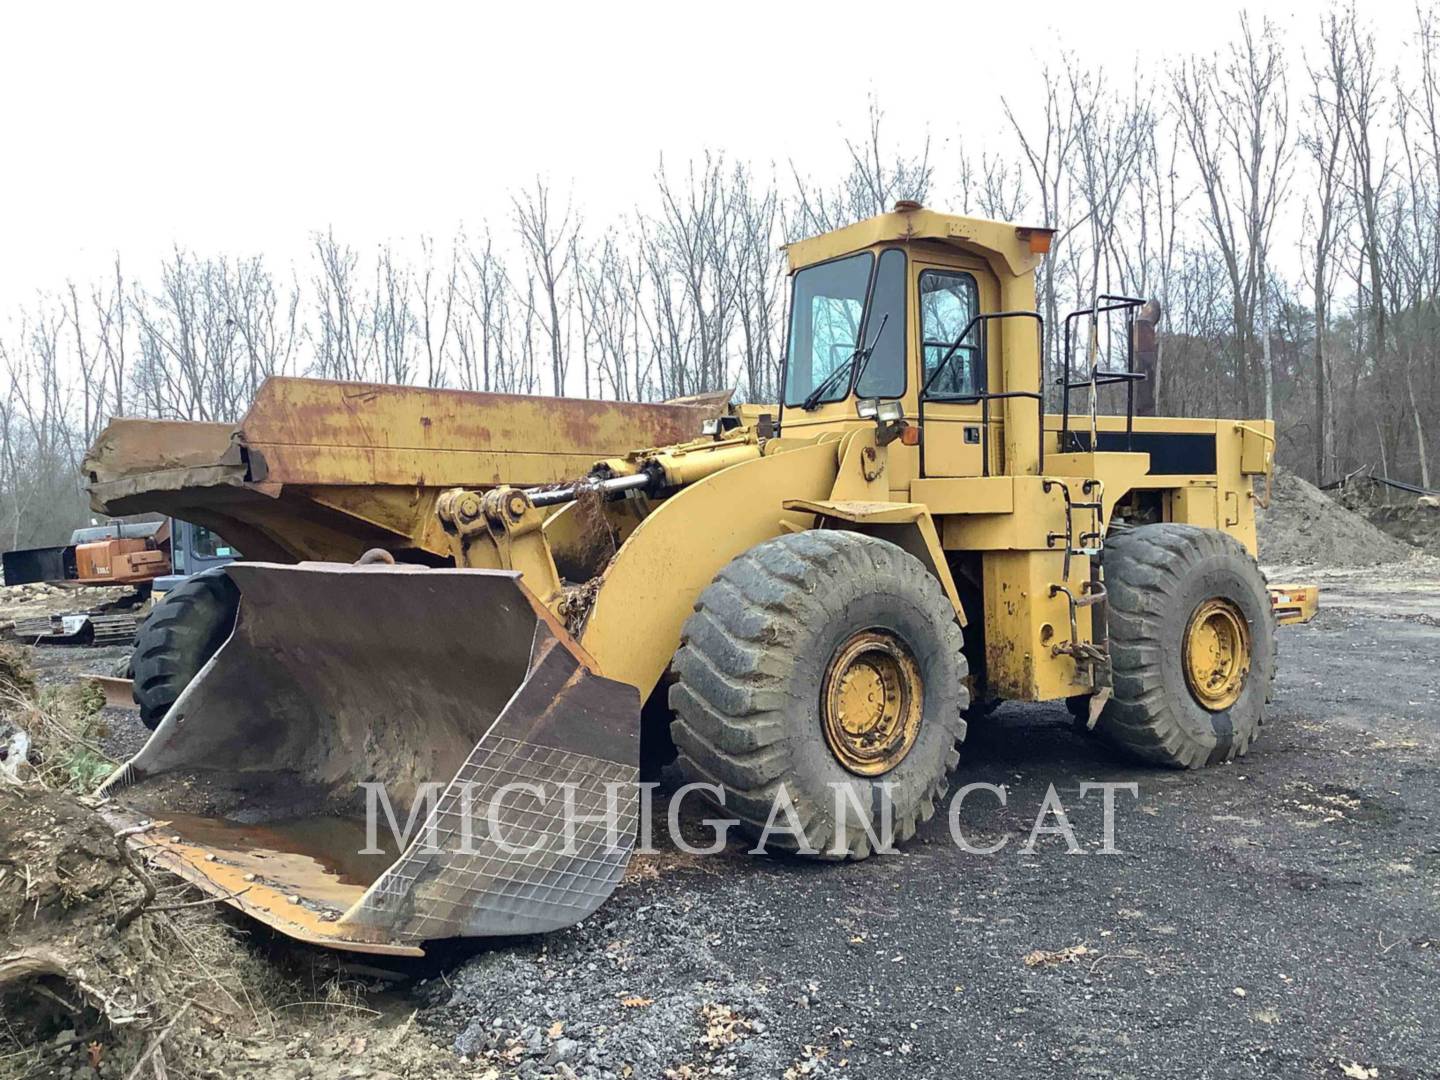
x,y
986,396
1098,379
1270,472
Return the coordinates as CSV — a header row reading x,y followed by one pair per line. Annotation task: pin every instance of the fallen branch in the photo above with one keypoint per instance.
x,y
154,1047
52,1047
329,1005
1115,956
28,963
200,903
133,865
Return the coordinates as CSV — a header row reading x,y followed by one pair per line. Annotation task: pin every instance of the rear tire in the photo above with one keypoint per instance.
x,y
174,642
765,655
1165,582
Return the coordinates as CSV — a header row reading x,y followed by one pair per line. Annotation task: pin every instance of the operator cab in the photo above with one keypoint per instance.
x,y
908,315
848,331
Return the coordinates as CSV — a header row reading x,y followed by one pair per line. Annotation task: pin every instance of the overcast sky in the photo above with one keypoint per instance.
x,y
240,128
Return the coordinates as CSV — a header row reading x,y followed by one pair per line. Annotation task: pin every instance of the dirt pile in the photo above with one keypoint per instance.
x,y
110,968
1417,525
88,987
1304,526
106,966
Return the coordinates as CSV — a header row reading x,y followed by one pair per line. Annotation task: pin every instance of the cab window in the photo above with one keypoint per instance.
x,y
949,299
885,330
207,545
828,305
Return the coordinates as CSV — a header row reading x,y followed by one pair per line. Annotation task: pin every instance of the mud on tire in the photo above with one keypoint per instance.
x,y
1157,576
749,675
178,637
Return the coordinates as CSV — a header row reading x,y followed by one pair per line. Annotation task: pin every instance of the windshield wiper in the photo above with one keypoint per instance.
x,y
826,384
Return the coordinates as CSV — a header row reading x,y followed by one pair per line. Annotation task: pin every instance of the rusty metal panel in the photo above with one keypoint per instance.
x,y
325,470
130,446
313,431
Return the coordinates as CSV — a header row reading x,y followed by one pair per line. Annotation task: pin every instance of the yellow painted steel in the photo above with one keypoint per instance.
x,y
1007,520
906,525
872,699
1294,603
829,468
1009,245
1216,654
650,587
1024,623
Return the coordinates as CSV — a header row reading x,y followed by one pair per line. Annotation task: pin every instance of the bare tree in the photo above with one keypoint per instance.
x,y
110,317
1047,154
1323,139
437,289
338,305
758,268
547,241
696,240
1159,202
996,190
265,317
392,322
1235,114
1109,140
876,180
482,338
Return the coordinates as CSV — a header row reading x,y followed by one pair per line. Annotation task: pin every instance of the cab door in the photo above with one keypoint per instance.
x,y
947,297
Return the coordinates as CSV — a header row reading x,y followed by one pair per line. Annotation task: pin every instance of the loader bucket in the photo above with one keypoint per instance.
x,y
348,696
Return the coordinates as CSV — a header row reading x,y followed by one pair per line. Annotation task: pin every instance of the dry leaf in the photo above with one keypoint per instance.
x,y
723,1026
1356,1071
556,1028
635,1001
1044,957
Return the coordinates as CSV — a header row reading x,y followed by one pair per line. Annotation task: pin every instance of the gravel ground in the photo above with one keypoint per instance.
x,y
1273,917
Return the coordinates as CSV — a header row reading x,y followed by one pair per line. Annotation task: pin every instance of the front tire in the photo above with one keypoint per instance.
x,y
825,663
177,638
1192,645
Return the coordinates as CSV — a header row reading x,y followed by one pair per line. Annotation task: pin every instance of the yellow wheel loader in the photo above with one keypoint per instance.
x,y
818,596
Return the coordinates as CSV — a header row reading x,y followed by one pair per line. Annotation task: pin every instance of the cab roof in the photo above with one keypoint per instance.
x,y
1020,248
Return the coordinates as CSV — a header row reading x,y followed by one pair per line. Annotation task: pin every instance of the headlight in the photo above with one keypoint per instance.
x,y
710,427
867,408
889,412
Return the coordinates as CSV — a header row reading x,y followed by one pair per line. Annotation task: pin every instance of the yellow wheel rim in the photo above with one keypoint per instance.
x,y
871,702
1217,654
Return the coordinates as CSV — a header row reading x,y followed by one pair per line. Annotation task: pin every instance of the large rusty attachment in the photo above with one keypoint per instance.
x,y
353,701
